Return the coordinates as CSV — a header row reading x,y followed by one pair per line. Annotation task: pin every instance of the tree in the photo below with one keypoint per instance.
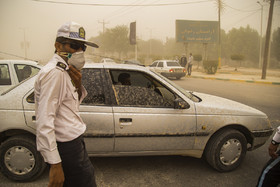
x,y
237,58
275,45
115,40
244,41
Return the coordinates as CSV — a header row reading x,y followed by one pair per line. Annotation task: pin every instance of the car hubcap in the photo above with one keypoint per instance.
x,y
230,151
19,160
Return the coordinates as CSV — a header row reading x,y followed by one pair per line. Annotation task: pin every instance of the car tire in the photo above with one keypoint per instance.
x,y
226,150
19,159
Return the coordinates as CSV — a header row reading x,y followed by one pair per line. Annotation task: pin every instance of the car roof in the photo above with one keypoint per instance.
x,y
165,61
115,66
26,62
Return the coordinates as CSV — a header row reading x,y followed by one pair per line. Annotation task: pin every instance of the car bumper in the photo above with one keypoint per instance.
x,y
260,137
174,74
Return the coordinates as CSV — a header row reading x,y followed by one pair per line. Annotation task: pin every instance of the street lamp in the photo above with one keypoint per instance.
x,y
25,44
260,53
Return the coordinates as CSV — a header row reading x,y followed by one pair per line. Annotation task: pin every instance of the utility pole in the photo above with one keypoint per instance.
x,y
267,40
260,53
25,44
103,23
220,47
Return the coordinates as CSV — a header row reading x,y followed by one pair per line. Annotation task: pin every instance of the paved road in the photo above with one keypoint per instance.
x,y
187,171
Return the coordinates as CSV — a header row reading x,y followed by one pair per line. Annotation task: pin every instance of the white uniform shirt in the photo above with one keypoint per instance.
x,y
57,107
276,137
190,60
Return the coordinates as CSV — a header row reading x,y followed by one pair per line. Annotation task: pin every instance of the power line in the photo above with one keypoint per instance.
x,y
240,9
121,10
123,5
130,10
243,18
17,56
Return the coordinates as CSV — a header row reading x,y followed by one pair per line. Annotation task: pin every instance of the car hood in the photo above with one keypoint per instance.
x,y
213,105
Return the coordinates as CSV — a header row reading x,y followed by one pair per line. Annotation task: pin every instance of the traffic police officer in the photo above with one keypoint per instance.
x,y
270,175
59,127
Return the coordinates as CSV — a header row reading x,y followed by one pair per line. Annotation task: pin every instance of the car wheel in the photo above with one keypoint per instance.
x,y
19,159
226,150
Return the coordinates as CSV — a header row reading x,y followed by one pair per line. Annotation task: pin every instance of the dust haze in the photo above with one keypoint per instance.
x,y
28,27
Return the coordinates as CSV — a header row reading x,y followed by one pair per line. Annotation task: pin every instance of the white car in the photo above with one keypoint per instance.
x,y
107,61
168,68
151,116
13,72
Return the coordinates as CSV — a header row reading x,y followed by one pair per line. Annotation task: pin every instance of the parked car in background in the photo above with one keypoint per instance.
x,y
168,68
107,60
150,116
133,62
13,72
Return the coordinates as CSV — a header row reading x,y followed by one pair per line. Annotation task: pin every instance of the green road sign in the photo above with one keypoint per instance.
x,y
197,31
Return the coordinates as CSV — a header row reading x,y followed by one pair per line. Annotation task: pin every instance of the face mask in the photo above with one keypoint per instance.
x,y
77,59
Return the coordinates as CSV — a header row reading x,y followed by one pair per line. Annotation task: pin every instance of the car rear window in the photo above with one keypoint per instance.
x,y
172,63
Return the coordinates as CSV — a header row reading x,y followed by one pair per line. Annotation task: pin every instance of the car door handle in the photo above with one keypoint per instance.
x,y
125,122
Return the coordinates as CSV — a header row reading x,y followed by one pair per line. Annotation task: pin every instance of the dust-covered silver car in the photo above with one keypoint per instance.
x,y
13,72
168,68
151,116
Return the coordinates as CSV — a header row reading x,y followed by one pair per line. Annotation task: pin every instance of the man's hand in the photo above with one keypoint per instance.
x,y
272,151
76,77
56,175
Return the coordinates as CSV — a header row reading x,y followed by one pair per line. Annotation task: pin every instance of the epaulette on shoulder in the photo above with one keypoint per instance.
x,y
61,66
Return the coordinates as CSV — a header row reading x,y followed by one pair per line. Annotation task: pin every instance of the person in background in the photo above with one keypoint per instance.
x,y
190,63
270,176
183,61
59,127
26,72
124,79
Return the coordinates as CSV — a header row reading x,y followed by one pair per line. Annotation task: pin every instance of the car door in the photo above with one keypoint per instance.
x,y
153,66
145,118
160,67
96,112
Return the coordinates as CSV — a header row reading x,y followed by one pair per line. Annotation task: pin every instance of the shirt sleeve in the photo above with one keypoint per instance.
x,y
52,87
84,94
276,137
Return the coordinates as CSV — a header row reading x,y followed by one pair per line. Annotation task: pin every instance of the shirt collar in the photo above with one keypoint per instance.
x,y
59,59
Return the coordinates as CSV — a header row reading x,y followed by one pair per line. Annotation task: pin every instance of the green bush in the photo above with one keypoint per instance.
x,y
237,57
210,66
197,58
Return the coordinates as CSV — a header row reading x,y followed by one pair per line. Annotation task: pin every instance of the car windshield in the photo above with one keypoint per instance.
x,y
173,63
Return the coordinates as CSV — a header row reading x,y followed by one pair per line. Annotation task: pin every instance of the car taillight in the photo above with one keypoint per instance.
x,y
184,70
171,70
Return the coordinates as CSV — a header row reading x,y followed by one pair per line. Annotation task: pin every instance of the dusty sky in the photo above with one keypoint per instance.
x,y
40,19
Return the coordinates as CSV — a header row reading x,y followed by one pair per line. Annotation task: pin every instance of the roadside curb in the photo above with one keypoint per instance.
x,y
234,80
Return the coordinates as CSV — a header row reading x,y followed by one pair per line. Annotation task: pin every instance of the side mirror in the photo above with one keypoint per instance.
x,y
181,104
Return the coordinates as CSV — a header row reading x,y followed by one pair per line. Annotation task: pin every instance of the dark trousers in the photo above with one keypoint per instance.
x,y
77,168
270,175
189,69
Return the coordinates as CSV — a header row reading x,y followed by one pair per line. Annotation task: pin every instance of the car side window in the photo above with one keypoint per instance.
x,y
154,64
141,91
25,71
5,78
160,64
92,80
